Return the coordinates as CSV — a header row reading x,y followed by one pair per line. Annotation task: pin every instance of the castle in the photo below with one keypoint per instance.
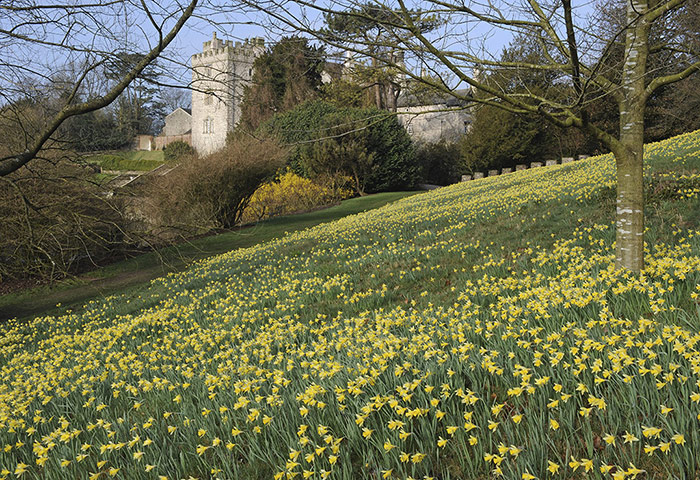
x,y
219,74
223,69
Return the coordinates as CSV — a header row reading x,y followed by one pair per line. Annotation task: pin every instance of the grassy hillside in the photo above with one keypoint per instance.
x,y
472,330
128,160
135,273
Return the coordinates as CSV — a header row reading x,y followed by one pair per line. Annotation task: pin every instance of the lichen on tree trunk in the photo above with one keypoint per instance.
x,y
629,246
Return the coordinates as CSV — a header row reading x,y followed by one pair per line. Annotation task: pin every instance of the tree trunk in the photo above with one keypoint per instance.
x,y
629,246
629,155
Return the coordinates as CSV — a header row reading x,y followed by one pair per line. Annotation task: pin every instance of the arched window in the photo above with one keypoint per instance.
x,y
208,125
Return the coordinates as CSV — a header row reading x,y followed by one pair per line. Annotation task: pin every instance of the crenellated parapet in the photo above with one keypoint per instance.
x,y
248,49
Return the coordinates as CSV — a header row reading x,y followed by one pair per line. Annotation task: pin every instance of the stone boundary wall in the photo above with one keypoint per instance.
x,y
493,173
162,141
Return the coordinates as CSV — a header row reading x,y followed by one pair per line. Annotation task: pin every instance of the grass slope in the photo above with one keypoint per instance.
x,y
142,161
135,273
475,330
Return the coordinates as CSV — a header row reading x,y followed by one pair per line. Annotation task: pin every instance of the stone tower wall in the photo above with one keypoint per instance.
x,y
219,75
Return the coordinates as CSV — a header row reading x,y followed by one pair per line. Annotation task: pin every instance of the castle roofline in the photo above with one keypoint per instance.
x,y
443,99
186,110
216,46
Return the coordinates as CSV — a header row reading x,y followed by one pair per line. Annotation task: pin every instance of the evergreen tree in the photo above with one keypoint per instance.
x,y
284,77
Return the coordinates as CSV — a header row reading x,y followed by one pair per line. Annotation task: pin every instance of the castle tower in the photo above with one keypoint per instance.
x,y
219,75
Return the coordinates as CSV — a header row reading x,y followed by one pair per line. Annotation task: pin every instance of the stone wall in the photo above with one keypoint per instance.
x,y
162,141
143,142
178,122
547,163
425,124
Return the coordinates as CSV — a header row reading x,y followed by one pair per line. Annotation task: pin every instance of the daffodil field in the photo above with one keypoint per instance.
x,y
478,330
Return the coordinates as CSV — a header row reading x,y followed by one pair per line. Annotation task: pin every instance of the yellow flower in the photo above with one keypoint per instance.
x,y
629,438
201,449
366,432
417,457
527,476
679,439
517,418
553,424
609,439
332,459
552,467
574,464
201,432
473,440
587,464
651,431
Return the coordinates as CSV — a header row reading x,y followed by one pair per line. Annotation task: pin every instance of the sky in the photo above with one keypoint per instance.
x,y
114,18
235,25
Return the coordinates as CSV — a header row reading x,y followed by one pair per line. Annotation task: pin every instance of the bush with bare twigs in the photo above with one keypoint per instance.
x,y
210,192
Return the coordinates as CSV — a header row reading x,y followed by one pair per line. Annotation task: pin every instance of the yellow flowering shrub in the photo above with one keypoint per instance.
x,y
407,342
291,194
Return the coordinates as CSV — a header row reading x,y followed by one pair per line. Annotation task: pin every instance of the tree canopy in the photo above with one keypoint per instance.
x,y
288,74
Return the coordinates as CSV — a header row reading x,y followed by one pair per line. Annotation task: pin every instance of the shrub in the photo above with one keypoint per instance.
x,y
175,151
291,193
213,191
341,131
440,163
498,138
56,221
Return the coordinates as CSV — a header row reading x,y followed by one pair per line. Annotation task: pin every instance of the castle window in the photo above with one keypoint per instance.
x,y
208,98
208,125
409,129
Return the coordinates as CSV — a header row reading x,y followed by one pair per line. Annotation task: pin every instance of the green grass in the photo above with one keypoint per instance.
x,y
450,334
130,276
142,161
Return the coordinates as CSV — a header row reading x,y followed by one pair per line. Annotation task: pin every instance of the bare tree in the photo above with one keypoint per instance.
x,y
91,37
573,50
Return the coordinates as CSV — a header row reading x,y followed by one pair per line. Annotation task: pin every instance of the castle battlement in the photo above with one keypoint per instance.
x,y
251,47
